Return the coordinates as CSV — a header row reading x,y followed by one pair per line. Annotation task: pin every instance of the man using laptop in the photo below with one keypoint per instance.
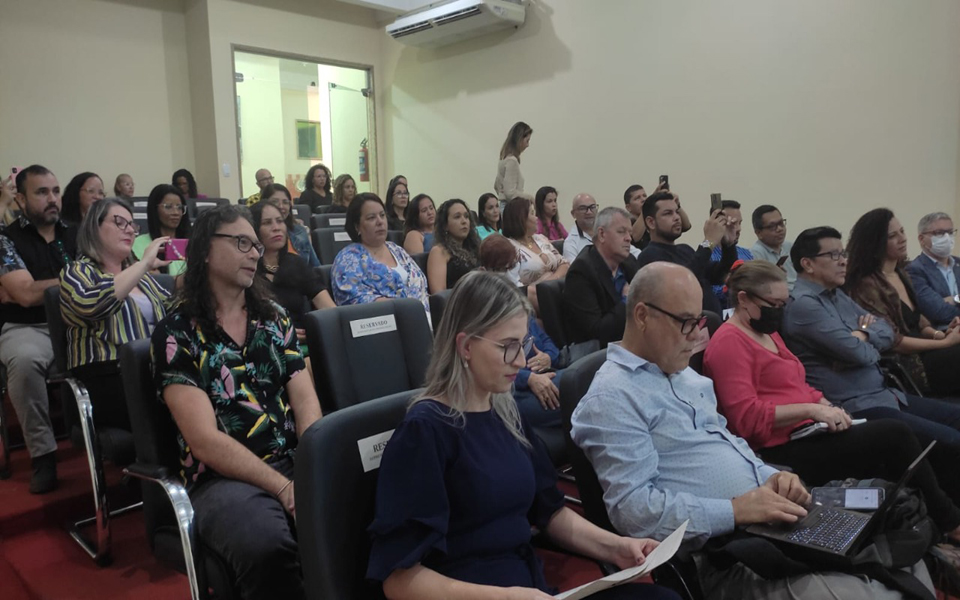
x,y
649,426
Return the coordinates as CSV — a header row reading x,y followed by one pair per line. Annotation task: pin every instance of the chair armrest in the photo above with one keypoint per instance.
x,y
147,472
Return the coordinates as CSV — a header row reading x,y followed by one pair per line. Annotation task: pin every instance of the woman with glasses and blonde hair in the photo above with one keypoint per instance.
x,y
107,300
762,391
463,479
166,217
509,181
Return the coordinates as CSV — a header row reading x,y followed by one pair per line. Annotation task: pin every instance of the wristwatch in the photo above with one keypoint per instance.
x,y
956,299
706,244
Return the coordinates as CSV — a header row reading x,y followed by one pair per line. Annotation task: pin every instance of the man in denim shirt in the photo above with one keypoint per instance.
x,y
649,426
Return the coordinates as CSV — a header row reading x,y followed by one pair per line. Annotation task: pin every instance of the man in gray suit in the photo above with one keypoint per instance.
x,y
935,272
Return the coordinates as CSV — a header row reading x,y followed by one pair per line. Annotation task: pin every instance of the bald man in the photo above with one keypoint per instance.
x,y
264,178
650,427
584,213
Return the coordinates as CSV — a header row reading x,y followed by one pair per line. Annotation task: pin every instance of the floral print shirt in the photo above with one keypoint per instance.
x,y
246,385
358,278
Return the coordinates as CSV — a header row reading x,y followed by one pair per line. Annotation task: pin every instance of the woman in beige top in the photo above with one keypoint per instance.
x,y
509,182
538,260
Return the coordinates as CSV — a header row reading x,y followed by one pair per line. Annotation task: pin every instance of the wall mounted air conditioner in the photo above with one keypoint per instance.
x,y
456,20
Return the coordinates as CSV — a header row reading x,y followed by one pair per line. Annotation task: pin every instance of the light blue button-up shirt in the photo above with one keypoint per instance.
x,y
661,450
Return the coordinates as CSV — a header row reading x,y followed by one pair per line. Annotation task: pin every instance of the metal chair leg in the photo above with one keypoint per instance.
x,y
4,428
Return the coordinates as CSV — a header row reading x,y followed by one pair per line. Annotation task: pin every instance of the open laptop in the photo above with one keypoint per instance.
x,y
836,530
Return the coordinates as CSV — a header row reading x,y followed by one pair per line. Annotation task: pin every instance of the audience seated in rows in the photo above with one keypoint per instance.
x,y
509,181
124,187
456,248
537,387
596,286
371,268
166,218
633,200
298,235
463,478
649,426
548,214
184,180
772,244
935,272
106,301
317,190
488,214
538,260
761,390
840,345
33,250
421,217
398,198
584,213
228,367
877,282
263,178
295,285
79,195
344,191
662,217
731,212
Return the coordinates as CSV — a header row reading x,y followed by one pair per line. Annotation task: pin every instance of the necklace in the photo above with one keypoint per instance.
x,y
271,268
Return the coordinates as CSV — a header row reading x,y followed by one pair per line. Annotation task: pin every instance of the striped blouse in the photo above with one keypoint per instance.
x,y
98,323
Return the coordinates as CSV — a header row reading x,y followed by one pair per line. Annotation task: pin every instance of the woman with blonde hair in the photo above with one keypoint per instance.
x,y
344,190
509,181
463,479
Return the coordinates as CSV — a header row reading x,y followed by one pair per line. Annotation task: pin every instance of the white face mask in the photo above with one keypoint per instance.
x,y
941,245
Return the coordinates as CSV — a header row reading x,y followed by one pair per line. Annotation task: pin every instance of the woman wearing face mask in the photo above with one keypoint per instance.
x,y
762,391
877,281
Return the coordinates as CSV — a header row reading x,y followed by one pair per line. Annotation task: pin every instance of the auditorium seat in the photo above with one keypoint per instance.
x,y
550,298
328,241
195,206
328,220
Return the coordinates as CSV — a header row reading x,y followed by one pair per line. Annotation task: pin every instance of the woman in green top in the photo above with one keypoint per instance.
x,y
488,215
166,217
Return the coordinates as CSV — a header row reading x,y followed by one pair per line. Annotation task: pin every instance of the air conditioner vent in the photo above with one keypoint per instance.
x,y
457,16
456,20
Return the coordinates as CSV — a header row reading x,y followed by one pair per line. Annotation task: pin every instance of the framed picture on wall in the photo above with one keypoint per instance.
x,y
308,140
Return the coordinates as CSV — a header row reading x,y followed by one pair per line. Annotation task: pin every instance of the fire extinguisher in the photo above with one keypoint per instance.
x,y
364,161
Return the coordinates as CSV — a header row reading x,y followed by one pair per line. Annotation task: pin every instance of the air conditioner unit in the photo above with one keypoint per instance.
x,y
456,20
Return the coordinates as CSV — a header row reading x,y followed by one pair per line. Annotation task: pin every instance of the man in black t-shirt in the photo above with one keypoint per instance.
x,y
33,250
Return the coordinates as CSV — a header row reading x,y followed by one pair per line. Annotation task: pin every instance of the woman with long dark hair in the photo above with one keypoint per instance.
x,y
398,198
317,188
166,217
79,195
548,214
463,478
421,219
344,191
538,259
488,215
877,281
456,246
185,181
509,181
298,236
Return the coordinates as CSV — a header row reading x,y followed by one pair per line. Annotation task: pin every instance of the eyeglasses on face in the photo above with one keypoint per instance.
x,y
512,349
244,244
834,255
773,303
174,207
93,191
781,224
404,194
587,208
939,232
122,224
687,325
265,180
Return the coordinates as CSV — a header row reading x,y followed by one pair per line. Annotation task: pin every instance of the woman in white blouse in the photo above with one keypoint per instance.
x,y
509,182
538,260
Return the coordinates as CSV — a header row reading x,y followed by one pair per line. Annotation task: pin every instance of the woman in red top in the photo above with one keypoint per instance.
x,y
762,391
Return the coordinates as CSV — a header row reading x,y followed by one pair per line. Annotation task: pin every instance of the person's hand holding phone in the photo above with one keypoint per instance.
x,y
715,227
151,258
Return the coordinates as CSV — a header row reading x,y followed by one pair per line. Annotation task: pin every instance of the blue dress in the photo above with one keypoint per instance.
x,y
459,497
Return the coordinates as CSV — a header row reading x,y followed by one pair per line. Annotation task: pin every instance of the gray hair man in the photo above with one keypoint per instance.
x,y
935,271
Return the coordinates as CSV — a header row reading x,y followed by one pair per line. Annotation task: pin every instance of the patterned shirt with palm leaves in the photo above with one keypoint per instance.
x,y
246,385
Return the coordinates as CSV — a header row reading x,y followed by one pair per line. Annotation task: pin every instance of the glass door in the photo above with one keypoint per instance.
x,y
350,133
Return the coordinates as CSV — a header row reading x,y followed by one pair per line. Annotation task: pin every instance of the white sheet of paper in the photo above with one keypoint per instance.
x,y
660,555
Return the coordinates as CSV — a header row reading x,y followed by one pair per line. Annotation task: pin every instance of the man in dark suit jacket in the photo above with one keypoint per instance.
x,y
935,272
596,285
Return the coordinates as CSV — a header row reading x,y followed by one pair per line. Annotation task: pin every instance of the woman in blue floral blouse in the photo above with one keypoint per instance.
x,y
373,269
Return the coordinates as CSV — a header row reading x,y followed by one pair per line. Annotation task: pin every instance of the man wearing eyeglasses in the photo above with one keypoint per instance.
x,y
649,426
840,345
936,271
772,245
584,212
264,178
228,366
33,250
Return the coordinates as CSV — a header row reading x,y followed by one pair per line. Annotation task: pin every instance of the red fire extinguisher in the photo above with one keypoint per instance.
x,y
364,161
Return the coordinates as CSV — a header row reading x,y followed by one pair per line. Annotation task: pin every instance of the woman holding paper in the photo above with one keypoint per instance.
x,y
762,391
463,478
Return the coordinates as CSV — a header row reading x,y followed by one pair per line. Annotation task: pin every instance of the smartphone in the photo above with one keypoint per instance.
x,y
175,249
665,182
715,203
856,498
782,260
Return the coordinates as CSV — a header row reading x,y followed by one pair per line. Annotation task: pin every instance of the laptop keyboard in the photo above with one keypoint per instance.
x,y
834,530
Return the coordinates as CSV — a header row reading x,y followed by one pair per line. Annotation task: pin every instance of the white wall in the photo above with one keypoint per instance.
x,y
95,85
824,108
